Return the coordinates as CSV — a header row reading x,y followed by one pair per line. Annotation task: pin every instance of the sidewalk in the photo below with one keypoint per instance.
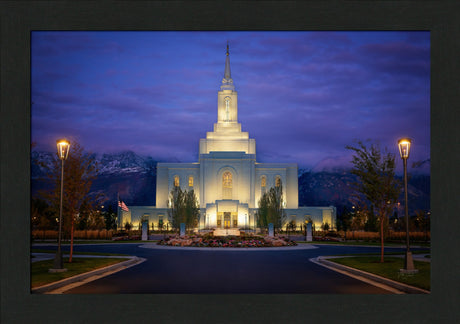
x,y
65,284
376,280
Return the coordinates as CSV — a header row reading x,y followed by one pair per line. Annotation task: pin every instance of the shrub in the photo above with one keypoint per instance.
x,y
392,236
44,235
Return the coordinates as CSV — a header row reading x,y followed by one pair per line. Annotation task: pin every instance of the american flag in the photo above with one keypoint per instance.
x,y
122,205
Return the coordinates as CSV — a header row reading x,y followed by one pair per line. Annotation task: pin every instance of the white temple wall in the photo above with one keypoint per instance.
x,y
162,185
292,187
212,168
166,174
318,216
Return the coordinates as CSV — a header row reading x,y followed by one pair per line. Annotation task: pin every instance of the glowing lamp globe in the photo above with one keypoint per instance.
x,y
63,147
404,147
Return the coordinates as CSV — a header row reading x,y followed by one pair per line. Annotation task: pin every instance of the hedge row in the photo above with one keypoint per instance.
x,y
392,236
78,235
350,235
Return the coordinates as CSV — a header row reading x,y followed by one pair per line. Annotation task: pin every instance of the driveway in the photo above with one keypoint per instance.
x,y
263,271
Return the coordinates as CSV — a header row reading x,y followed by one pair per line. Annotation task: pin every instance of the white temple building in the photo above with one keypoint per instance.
x,y
227,179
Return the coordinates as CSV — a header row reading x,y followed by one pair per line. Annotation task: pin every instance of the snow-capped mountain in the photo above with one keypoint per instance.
x,y
335,188
107,164
127,174
125,162
333,164
133,178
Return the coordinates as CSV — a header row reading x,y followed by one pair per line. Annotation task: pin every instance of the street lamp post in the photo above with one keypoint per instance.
x,y
63,151
404,149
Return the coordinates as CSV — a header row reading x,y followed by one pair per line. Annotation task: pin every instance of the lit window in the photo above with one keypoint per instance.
x,y
227,180
227,185
176,181
278,181
263,181
190,181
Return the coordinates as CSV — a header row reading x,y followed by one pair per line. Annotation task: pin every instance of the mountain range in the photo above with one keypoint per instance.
x,y
133,178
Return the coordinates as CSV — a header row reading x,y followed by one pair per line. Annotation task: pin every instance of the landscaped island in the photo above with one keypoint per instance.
x,y
246,241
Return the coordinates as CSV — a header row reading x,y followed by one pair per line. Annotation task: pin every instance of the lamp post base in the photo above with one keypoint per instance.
x,y
408,264
57,270
58,263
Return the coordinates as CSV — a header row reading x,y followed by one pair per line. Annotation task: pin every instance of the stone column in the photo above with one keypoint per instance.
x,y
270,230
145,231
182,229
309,237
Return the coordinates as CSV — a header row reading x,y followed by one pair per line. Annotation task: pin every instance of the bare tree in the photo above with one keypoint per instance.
x,y
80,171
377,184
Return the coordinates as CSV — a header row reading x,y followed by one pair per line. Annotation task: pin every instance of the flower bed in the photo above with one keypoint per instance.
x,y
227,241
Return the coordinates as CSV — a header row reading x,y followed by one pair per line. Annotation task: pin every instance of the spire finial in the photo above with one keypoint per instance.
x,y
227,82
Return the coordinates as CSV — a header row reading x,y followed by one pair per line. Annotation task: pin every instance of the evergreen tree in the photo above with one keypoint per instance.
x,y
183,208
377,184
128,226
345,220
42,216
192,209
110,218
82,221
271,208
263,211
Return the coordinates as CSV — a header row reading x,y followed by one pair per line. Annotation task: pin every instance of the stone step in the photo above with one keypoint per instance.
x,y
226,232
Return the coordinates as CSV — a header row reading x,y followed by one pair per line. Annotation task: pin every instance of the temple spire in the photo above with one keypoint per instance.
x,y
227,81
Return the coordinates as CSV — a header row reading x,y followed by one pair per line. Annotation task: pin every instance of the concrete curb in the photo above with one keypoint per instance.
x,y
322,260
86,277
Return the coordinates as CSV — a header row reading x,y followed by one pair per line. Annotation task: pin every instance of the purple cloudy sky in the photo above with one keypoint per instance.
x,y
302,95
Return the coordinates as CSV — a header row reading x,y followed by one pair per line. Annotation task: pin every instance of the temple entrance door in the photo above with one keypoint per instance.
x,y
227,219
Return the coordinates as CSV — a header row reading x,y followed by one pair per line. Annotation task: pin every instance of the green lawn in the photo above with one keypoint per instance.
x,y
364,243
40,275
77,242
390,269
76,253
389,253
370,243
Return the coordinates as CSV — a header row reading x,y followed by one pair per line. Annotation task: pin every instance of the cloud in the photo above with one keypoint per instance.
x,y
302,95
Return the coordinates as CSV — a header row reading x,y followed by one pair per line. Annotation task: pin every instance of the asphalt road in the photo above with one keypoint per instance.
x,y
217,272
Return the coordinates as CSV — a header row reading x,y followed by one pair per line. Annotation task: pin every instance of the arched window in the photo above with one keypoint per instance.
x,y
190,181
227,180
278,181
176,181
227,184
263,183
